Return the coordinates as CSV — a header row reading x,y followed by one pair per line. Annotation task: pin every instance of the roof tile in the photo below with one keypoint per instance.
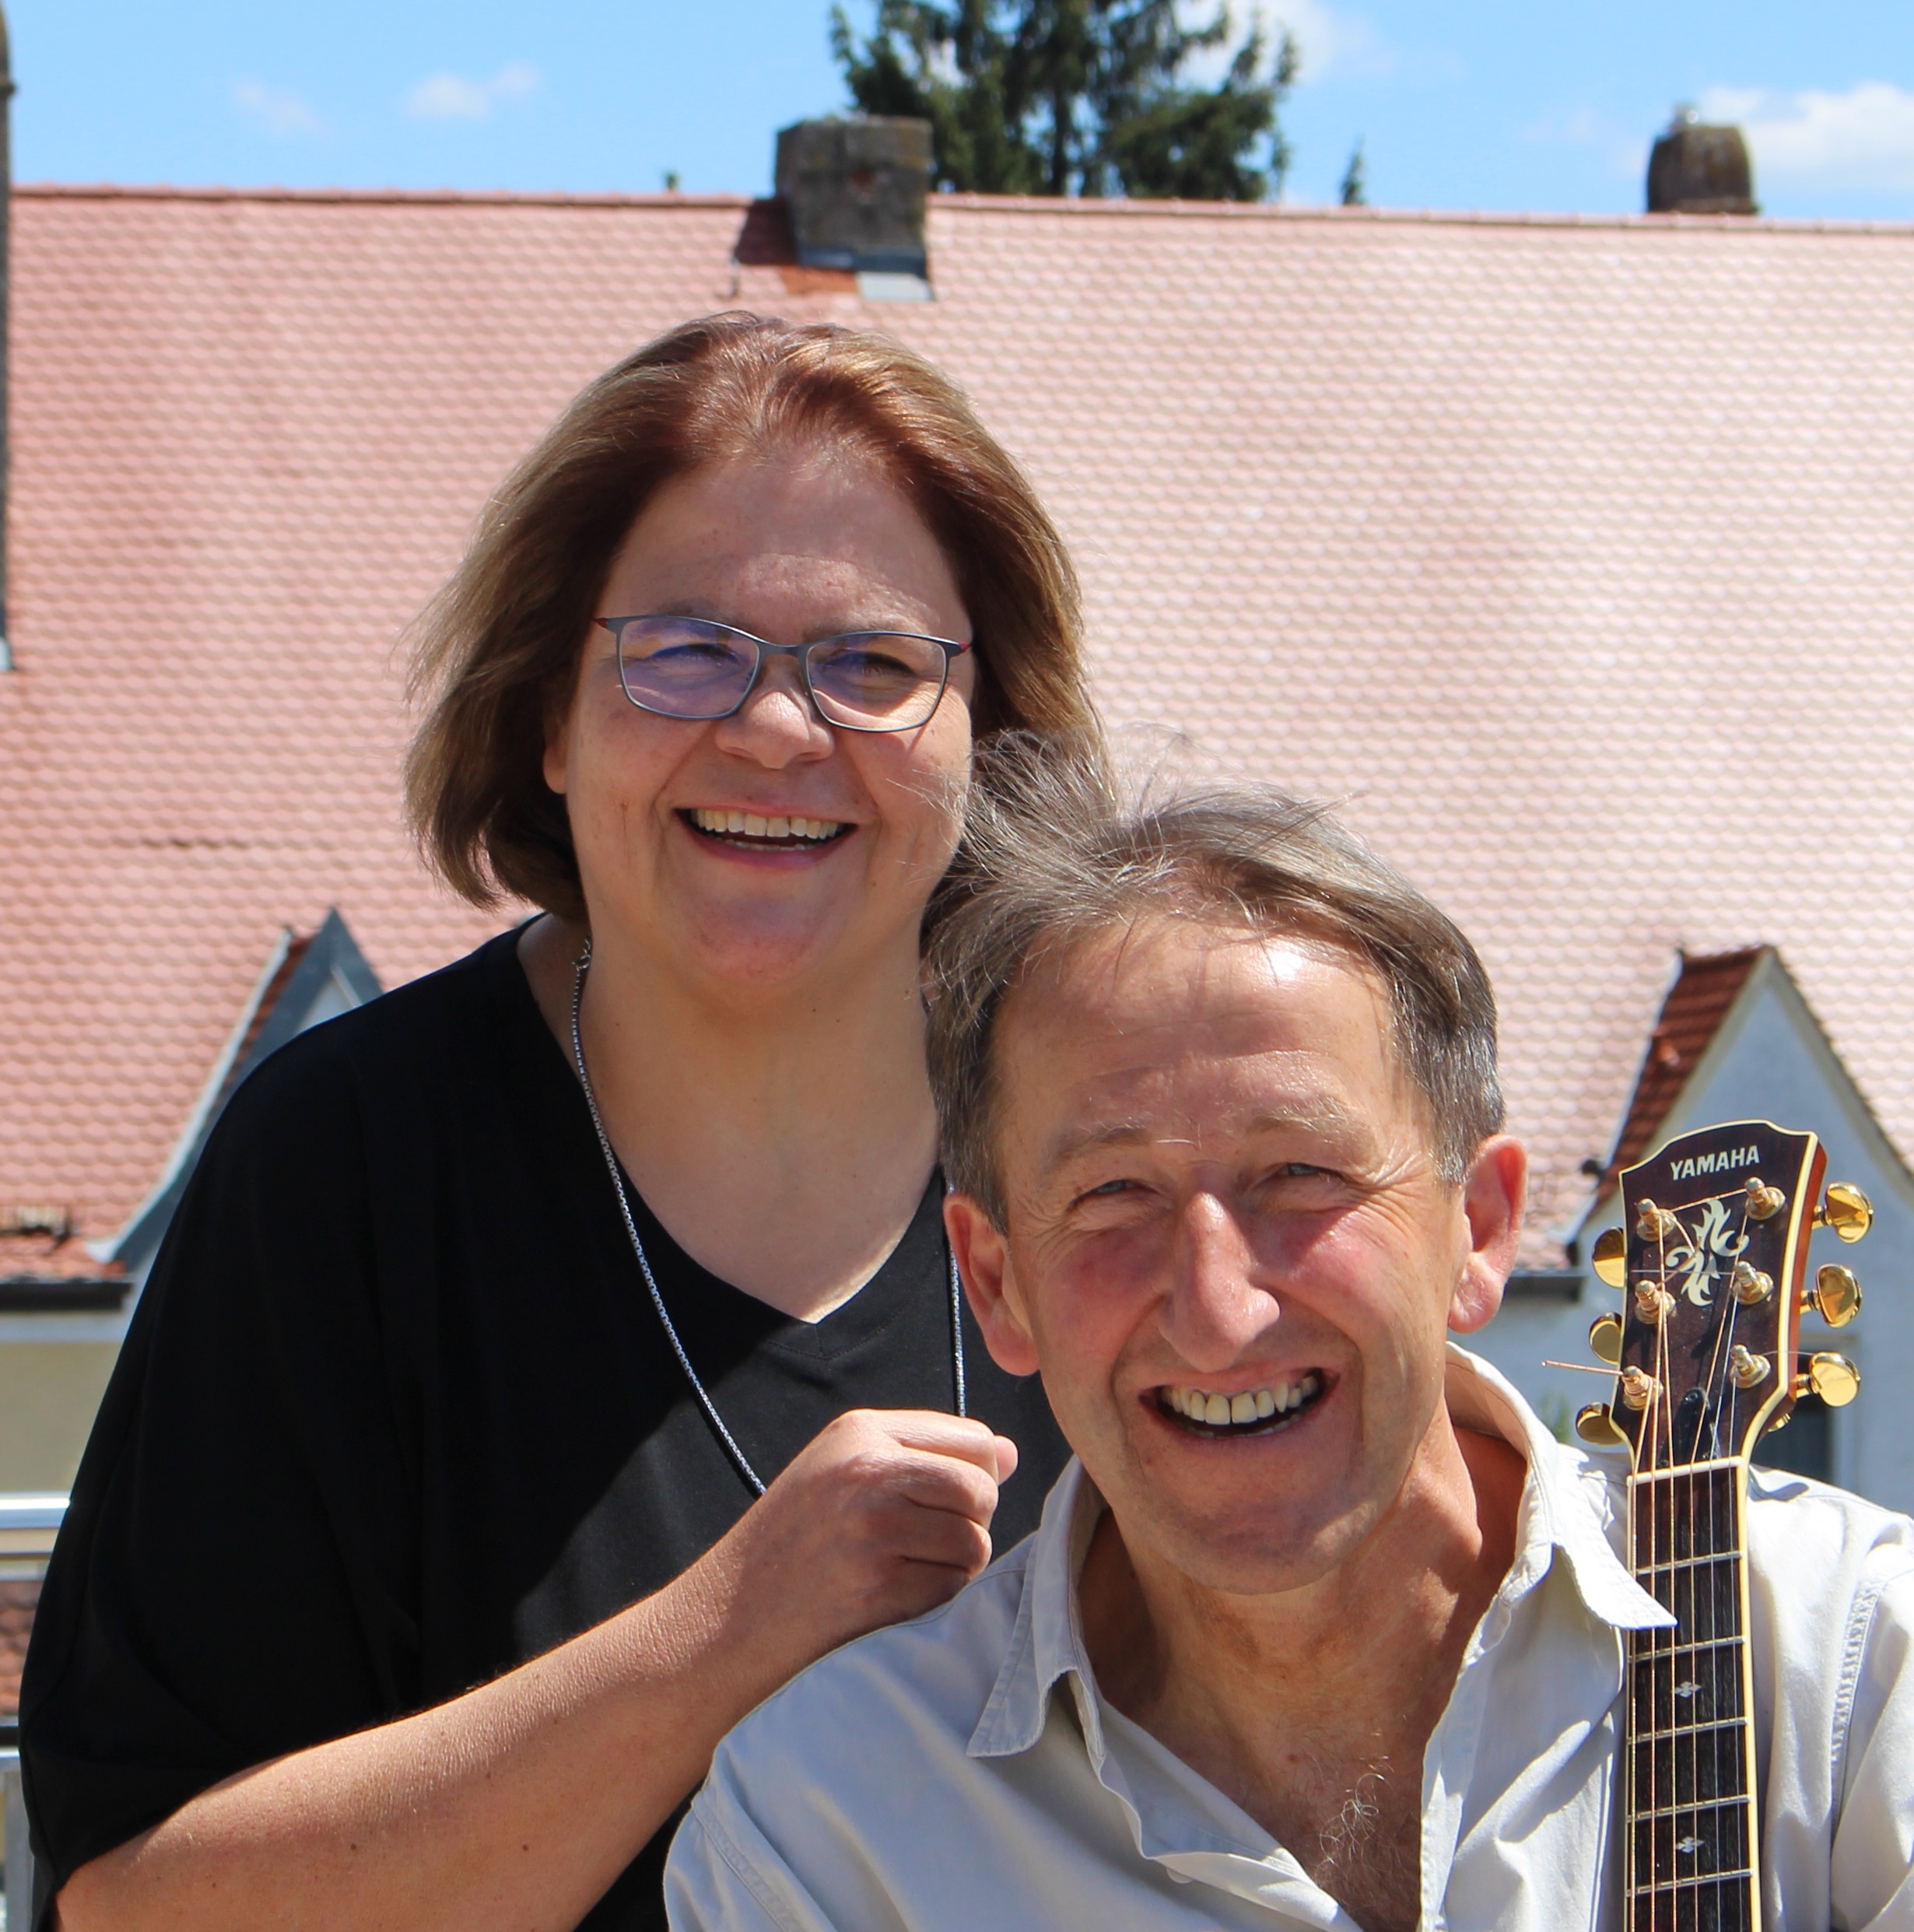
x,y
1567,555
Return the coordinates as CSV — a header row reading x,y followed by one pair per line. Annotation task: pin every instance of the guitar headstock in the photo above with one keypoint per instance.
x,y
1711,1259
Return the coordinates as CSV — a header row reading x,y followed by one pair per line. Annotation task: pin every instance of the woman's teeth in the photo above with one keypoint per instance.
x,y
1247,1407
751,825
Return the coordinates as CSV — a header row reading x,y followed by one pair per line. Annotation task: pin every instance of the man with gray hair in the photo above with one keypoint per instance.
x,y
1322,1627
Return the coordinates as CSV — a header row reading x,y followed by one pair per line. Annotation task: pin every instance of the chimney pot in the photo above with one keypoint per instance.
x,y
855,190
1696,169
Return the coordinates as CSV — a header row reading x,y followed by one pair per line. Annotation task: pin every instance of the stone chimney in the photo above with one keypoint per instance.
x,y
855,190
1699,171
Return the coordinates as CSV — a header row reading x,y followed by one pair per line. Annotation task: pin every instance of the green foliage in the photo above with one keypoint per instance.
x,y
1355,193
1077,97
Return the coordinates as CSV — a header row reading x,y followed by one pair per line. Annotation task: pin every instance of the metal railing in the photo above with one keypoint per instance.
x,y
28,1525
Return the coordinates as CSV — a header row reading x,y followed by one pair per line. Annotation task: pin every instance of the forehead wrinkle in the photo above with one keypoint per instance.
x,y
1322,1112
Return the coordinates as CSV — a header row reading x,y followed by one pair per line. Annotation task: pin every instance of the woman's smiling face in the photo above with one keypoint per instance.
x,y
802,546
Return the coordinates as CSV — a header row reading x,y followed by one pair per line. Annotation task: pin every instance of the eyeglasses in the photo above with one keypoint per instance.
x,y
862,681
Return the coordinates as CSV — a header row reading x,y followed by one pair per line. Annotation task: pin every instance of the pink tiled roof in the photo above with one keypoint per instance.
x,y
1572,555
17,1603
1706,987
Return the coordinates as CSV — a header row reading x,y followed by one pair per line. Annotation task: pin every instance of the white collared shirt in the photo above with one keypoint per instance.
x,y
930,1777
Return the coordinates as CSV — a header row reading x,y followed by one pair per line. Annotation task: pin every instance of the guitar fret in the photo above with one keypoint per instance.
x,y
1699,1878
1689,1563
1648,1642
1687,1810
1688,1730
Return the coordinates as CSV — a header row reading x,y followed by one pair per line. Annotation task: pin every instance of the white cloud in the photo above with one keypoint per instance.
x,y
278,110
452,97
1863,138
1328,38
1324,37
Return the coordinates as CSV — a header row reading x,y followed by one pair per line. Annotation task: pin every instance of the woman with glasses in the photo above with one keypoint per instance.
x,y
553,1357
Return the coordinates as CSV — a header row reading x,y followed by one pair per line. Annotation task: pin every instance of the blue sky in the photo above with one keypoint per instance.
x,y
1459,104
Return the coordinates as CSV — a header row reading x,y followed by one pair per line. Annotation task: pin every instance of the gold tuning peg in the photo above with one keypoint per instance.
x,y
1652,1223
1604,1337
1598,1429
1837,1294
1639,1387
1765,1202
1610,1258
1833,1378
1846,1210
1750,1370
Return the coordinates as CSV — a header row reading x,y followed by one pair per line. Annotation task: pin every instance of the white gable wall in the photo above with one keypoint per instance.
x,y
1770,1061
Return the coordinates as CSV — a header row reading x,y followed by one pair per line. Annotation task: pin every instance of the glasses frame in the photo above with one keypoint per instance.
x,y
766,649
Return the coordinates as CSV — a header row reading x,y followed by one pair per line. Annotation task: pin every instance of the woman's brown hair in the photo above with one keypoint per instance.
x,y
497,650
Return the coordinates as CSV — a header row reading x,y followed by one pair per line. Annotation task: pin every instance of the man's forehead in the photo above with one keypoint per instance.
x,y
1128,1032
1161,976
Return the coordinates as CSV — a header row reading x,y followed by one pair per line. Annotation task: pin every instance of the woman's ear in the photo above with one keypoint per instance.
x,y
990,1282
556,763
1492,1199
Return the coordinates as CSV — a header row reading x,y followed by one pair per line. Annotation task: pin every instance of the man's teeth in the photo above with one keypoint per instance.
x,y
1249,1405
752,825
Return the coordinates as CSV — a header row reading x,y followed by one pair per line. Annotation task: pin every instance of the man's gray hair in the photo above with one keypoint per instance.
x,y
1054,857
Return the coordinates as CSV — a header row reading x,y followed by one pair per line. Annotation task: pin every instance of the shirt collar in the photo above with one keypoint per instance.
x,y
1569,1503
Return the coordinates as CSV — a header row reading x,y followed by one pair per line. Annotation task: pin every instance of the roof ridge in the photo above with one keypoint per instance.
x,y
429,197
1076,207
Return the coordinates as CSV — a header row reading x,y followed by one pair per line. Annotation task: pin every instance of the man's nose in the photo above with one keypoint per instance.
x,y
777,724
1215,1308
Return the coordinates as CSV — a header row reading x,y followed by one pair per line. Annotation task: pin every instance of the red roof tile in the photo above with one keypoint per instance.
x,y
17,1602
1705,988
1570,555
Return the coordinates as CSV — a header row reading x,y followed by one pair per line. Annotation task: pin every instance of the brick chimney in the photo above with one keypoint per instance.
x,y
1700,171
855,190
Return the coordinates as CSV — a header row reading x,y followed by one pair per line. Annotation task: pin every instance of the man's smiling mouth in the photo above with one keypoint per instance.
x,y
756,831
1247,1412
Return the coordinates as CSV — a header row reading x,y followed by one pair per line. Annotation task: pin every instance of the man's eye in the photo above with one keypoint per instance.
x,y
1290,1170
1110,1187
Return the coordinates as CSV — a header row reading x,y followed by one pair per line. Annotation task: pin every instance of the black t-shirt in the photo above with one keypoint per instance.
x,y
395,1414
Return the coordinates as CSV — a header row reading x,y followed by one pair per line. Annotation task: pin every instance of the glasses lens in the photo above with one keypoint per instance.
x,y
684,668
877,680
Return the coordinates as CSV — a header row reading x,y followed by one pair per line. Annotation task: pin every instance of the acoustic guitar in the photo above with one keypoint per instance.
x,y
1711,1259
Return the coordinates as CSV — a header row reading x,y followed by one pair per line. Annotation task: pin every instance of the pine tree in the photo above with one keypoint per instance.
x,y
1077,97
1355,184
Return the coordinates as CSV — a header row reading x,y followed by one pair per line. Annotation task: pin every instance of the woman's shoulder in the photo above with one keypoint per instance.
x,y
439,1014
425,1039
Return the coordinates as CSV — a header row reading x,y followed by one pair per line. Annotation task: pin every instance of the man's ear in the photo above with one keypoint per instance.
x,y
1492,1199
990,1283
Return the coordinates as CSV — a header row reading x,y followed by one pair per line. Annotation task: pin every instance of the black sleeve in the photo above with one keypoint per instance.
x,y
237,1577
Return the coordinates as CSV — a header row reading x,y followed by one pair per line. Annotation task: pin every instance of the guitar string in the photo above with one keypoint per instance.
x,y
1731,1391
1725,1392
1664,1424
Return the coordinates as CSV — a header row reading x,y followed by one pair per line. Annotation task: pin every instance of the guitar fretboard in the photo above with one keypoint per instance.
x,y
1690,1797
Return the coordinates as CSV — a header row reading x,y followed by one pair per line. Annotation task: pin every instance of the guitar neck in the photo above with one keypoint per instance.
x,y
1688,1755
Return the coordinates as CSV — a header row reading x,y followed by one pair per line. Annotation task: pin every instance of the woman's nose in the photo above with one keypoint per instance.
x,y
1216,1308
777,724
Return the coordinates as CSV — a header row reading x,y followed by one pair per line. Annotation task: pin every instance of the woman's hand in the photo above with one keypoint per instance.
x,y
885,1514
519,1803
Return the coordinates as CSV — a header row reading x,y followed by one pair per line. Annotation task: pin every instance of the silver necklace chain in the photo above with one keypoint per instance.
x,y
580,966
